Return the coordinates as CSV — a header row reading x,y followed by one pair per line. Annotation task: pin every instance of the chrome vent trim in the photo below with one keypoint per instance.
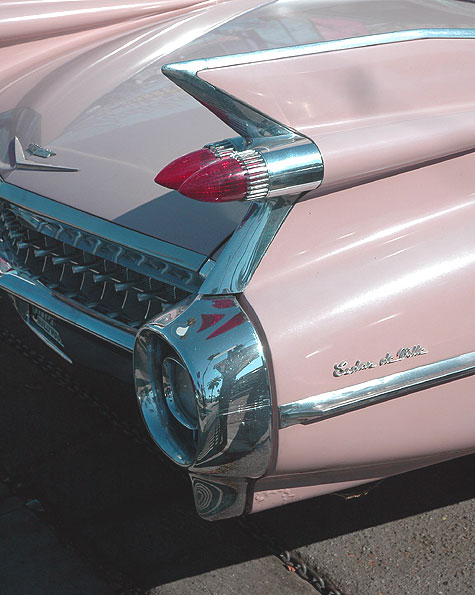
x,y
221,149
153,267
117,234
113,281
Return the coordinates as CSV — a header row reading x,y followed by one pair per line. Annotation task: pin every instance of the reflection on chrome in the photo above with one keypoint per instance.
x,y
212,495
219,424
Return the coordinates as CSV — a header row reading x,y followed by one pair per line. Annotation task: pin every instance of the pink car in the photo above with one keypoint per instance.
x,y
261,211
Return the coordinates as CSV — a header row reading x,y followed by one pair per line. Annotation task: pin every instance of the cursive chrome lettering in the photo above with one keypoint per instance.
x,y
401,354
342,369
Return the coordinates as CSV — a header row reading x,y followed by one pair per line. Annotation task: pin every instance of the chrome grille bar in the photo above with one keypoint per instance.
x,y
114,281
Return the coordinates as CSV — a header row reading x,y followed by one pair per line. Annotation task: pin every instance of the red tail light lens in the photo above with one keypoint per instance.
x,y
219,172
175,173
220,181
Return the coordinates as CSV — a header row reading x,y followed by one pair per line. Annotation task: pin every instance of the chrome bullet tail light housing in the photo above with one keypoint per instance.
x,y
201,373
236,169
203,388
267,160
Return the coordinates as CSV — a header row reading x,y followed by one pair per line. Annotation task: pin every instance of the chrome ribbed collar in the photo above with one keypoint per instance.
x,y
256,171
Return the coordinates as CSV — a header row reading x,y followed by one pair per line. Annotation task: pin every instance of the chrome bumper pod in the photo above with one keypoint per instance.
x,y
231,444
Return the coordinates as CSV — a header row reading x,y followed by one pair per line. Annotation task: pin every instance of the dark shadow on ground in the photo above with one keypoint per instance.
x,y
131,516
395,498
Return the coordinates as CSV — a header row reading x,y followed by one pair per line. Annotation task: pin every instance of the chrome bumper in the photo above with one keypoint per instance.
x,y
41,297
72,333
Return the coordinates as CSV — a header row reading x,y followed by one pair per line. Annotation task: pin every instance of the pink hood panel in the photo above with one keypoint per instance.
x,y
23,20
97,97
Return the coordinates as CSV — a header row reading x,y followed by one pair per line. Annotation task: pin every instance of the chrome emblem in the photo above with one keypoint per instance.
x,y
343,369
19,161
34,149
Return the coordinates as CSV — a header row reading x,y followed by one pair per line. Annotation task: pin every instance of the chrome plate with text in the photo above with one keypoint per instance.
x,y
46,325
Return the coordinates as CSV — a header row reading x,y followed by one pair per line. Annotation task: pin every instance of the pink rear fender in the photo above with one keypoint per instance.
x,y
372,111
380,258
356,275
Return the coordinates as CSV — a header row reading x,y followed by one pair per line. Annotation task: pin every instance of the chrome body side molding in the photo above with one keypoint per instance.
x,y
344,400
230,399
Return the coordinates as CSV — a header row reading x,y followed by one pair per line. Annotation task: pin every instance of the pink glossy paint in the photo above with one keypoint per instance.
x,y
369,270
22,20
268,492
98,99
372,111
382,258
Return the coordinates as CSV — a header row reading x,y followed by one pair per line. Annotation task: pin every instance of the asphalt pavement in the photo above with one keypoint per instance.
x,y
86,506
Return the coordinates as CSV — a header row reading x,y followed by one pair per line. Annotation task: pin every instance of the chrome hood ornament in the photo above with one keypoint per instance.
x,y
35,149
19,161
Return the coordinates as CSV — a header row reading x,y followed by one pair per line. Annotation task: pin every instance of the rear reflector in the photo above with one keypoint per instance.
x,y
175,173
220,181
